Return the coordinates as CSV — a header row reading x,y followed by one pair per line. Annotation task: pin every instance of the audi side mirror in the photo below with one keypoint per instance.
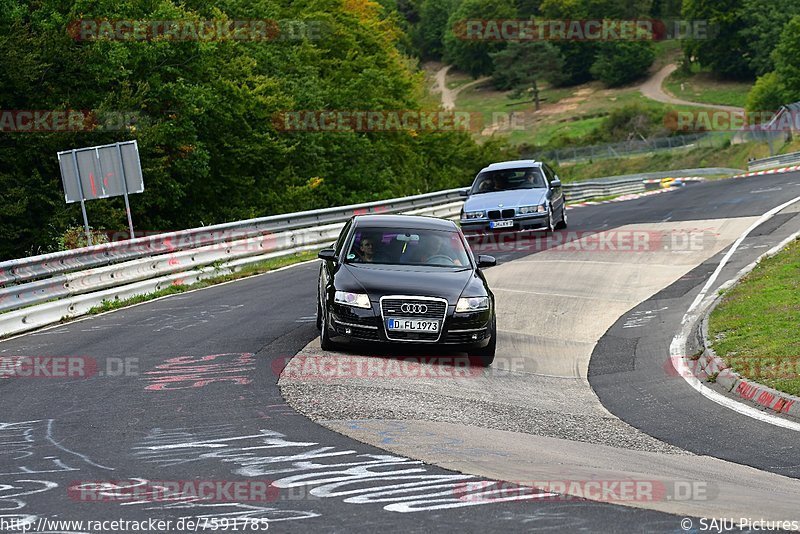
x,y
327,254
486,261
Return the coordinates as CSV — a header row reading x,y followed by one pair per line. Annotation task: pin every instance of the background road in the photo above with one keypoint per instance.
x,y
200,401
654,90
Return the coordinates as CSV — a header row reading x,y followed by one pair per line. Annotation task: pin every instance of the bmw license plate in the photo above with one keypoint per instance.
x,y
501,224
413,325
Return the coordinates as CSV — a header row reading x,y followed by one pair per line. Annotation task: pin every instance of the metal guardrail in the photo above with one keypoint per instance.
x,y
32,268
774,161
42,290
39,303
596,189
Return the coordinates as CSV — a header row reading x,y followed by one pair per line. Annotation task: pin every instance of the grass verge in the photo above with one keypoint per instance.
x,y
755,326
702,87
244,272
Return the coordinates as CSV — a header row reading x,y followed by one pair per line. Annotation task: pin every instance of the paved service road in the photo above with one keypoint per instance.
x,y
185,392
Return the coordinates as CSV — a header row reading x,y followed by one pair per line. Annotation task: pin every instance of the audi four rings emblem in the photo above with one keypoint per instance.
x,y
414,308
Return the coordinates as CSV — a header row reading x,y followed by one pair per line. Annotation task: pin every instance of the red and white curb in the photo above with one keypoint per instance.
x,y
710,364
679,347
780,170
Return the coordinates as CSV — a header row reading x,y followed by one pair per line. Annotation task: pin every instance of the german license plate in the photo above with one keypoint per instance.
x,y
501,224
412,325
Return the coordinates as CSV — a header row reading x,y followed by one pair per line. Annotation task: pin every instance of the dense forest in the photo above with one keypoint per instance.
x,y
204,115
203,111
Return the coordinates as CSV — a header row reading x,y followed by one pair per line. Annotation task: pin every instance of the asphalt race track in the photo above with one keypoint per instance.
x,y
185,390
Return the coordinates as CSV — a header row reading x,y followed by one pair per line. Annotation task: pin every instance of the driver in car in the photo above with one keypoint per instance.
x,y
367,250
534,179
436,250
486,185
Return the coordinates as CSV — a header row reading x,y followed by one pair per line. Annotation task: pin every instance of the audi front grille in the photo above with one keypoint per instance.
x,y
416,308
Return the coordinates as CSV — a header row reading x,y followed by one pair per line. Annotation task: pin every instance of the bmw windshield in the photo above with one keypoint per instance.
x,y
509,179
392,246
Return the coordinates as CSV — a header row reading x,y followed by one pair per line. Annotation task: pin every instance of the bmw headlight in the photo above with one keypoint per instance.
x,y
359,300
473,215
471,304
524,210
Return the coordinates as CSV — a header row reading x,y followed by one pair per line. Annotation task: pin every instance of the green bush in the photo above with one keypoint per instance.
x,y
621,62
767,94
75,237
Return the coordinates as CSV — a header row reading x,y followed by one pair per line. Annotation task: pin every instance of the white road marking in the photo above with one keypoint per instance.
x,y
677,348
767,190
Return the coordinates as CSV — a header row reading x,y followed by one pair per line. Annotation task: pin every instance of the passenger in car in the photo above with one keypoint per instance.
x,y
534,179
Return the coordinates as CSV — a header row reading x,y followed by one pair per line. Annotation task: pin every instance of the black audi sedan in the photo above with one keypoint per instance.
x,y
406,279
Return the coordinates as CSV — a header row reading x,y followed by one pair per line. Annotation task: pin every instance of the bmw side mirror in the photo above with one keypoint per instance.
x,y
555,183
327,254
464,193
486,261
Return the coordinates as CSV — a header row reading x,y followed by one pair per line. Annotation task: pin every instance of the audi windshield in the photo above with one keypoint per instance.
x,y
433,248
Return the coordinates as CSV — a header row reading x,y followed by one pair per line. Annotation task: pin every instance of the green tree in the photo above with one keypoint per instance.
x,y
472,53
523,64
725,50
768,94
787,60
621,62
765,22
429,32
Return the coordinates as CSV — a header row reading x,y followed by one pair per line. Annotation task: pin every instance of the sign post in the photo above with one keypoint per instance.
x,y
101,172
83,202
125,193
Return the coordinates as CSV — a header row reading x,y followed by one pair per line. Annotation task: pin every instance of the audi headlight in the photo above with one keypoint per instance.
x,y
471,304
524,210
473,215
359,300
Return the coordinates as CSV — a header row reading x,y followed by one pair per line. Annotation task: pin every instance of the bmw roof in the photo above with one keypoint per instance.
x,y
404,221
516,164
